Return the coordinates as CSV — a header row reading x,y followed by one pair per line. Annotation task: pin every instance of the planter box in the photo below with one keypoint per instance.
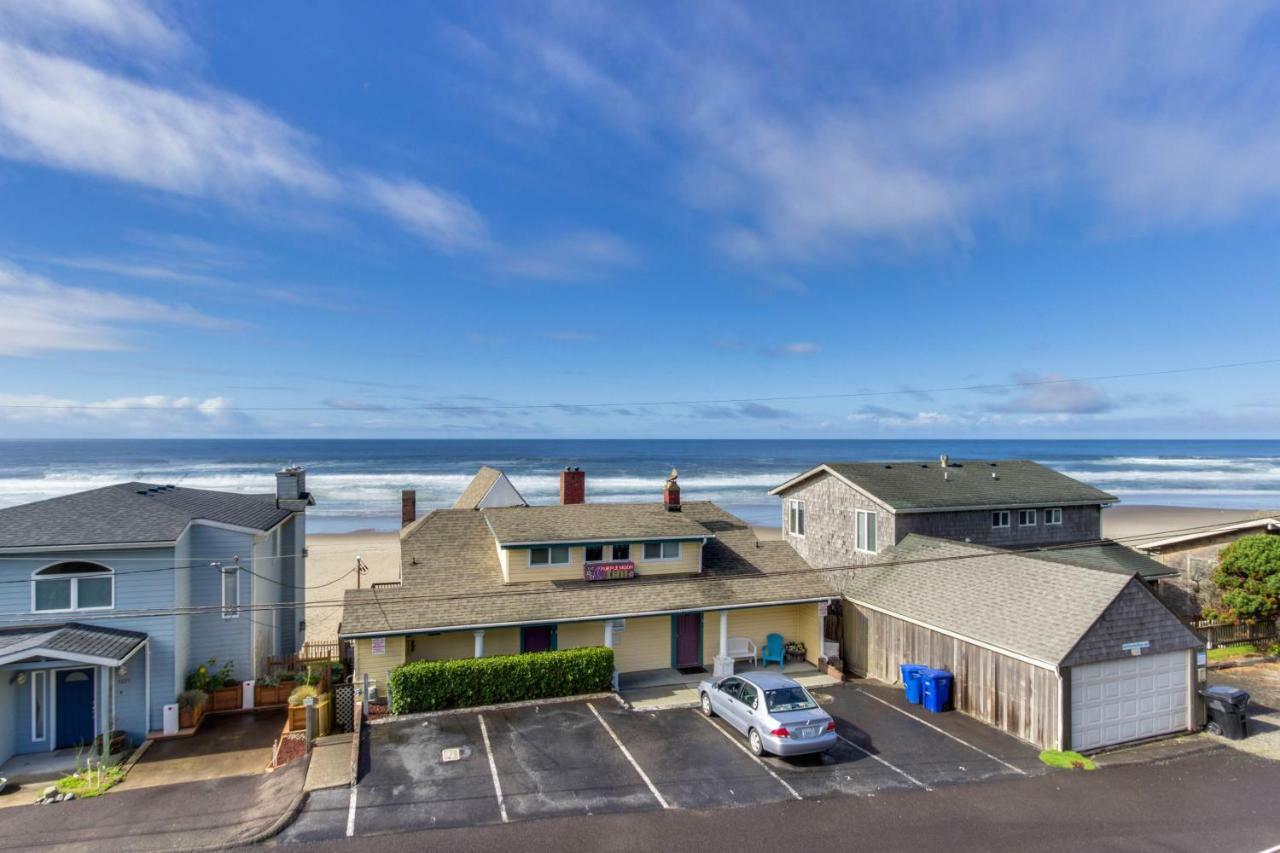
x,y
833,672
189,718
265,695
226,698
324,716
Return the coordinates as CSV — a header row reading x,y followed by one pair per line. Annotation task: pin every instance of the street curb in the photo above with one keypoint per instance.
x,y
528,703
288,816
137,755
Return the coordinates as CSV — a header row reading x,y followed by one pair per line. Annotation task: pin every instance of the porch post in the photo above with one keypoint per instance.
x,y
479,647
723,663
104,711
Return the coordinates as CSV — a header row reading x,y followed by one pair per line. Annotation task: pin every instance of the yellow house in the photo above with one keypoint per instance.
x,y
668,586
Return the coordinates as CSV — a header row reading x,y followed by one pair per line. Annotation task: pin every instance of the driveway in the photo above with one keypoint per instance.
x,y
226,745
1262,681
577,758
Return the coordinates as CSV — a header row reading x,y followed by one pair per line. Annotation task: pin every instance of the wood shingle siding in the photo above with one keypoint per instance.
x,y
1135,616
1015,696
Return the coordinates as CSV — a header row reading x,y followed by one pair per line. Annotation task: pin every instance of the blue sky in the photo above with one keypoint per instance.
x,y
311,219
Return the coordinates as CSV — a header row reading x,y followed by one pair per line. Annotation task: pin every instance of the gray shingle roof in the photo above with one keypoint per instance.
x,y
909,486
452,579
479,486
590,522
1109,556
1017,603
130,512
70,638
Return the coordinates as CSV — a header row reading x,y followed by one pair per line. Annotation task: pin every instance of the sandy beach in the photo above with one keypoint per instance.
x,y
332,556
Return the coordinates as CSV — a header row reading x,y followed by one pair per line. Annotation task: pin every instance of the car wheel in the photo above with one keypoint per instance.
x,y
706,706
756,744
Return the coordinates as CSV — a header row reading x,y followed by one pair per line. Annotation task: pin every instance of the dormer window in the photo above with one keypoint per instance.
x,y
553,555
72,586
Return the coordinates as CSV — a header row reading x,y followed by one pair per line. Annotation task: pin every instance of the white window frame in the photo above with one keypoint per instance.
x,y
1053,516
864,531
550,549
1022,514
229,611
39,688
662,552
796,517
107,573
1000,519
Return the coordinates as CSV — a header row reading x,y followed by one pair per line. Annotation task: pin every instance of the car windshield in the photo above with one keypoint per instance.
x,y
789,699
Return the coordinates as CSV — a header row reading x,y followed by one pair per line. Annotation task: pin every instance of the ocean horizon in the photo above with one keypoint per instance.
x,y
357,482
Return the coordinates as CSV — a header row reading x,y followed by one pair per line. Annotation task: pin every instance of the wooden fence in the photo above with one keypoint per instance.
x,y
312,653
1217,634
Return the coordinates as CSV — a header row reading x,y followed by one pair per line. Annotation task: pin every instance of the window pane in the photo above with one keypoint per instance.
x,y
871,531
595,553
622,552
560,554
671,550
791,517
37,704
800,517
653,550
230,592
53,595
538,556
93,592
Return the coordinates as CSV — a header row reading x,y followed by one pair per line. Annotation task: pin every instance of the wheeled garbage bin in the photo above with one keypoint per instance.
x,y
911,674
936,689
1225,707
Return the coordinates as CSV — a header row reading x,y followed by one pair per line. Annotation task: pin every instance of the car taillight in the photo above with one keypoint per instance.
x,y
782,732
831,725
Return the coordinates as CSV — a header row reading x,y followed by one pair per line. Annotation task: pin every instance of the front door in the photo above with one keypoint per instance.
x,y
538,638
688,640
75,707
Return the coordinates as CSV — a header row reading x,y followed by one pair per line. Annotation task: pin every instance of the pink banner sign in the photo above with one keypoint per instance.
x,y
617,570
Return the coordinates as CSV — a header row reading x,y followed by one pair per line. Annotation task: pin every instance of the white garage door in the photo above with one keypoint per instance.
x,y
1128,699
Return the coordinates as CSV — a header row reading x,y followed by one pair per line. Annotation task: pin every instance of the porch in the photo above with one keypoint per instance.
x,y
654,689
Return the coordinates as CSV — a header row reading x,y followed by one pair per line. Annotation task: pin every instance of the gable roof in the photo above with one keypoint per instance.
x,y
453,580
142,513
1021,604
71,639
962,484
1109,556
1268,523
481,485
587,522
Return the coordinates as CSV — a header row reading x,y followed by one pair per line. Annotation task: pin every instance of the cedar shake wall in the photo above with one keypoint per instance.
x,y
1079,524
831,522
1135,615
1193,589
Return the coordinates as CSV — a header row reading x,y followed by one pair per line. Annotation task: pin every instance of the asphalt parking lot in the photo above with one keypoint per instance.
x,y
577,758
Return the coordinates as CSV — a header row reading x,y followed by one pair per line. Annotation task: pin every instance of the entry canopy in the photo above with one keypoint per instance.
x,y
70,641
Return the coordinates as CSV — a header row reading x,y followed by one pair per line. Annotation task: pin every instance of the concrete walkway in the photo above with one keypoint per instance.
x,y
330,763
663,689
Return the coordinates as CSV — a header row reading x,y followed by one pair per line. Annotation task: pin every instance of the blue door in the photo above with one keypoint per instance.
x,y
75,707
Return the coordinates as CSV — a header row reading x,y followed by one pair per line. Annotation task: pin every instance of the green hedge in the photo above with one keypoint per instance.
x,y
432,685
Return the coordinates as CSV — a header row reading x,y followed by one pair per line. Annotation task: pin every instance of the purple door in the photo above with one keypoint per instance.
x,y
537,638
689,639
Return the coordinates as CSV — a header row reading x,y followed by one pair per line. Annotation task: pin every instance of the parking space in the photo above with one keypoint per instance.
x,y
595,757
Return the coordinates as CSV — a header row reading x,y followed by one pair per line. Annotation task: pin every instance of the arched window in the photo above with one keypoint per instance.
x,y
73,585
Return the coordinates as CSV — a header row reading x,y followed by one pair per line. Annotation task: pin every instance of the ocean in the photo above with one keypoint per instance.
x,y
357,483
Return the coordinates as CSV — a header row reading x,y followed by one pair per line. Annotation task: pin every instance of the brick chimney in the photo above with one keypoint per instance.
x,y
408,506
671,492
573,486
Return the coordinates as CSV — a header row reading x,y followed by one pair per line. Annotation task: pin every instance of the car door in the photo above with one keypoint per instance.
x,y
748,705
725,700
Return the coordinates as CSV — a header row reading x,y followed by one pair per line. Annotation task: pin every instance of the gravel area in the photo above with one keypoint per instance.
x,y
1262,681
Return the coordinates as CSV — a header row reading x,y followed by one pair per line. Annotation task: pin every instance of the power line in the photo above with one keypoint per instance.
x,y
468,407
400,596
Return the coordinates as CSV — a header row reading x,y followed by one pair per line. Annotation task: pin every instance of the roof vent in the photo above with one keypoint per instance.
x,y
942,460
994,476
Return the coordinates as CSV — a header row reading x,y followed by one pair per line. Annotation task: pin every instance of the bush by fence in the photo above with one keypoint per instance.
x,y
432,685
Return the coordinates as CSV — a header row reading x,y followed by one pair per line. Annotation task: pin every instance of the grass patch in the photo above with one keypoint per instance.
x,y
1229,652
1067,760
90,783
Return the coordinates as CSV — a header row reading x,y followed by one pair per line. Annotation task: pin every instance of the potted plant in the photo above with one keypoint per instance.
x,y
795,650
225,692
191,705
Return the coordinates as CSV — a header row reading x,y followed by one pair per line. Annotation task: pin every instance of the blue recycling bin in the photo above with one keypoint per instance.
x,y
911,677
936,689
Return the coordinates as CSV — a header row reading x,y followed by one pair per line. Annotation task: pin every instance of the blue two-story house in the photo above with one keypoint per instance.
x,y
110,597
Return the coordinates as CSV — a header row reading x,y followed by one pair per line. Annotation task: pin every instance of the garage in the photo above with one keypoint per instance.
x,y
1129,699
1061,654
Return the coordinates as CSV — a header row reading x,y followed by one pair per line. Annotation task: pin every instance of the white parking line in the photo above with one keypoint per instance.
x,y
941,731
493,768
904,774
351,813
733,740
608,728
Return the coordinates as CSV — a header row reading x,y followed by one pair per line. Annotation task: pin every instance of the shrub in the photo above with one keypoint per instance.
x,y
209,676
432,685
268,681
1249,577
301,692
192,699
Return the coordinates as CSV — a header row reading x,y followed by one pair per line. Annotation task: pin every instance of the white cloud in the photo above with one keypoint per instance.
x,y
570,257
40,315
1055,394
443,219
130,24
796,348
147,414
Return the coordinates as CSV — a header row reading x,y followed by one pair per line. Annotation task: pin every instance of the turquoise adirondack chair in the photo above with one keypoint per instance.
x,y
772,651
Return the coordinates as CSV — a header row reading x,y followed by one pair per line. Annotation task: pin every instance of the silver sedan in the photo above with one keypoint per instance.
x,y
775,713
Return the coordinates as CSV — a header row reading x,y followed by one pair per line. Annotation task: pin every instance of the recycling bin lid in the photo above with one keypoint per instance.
x,y
1234,695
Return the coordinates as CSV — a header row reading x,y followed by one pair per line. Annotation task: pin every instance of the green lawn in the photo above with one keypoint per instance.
x,y
1067,760
89,783
1229,652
